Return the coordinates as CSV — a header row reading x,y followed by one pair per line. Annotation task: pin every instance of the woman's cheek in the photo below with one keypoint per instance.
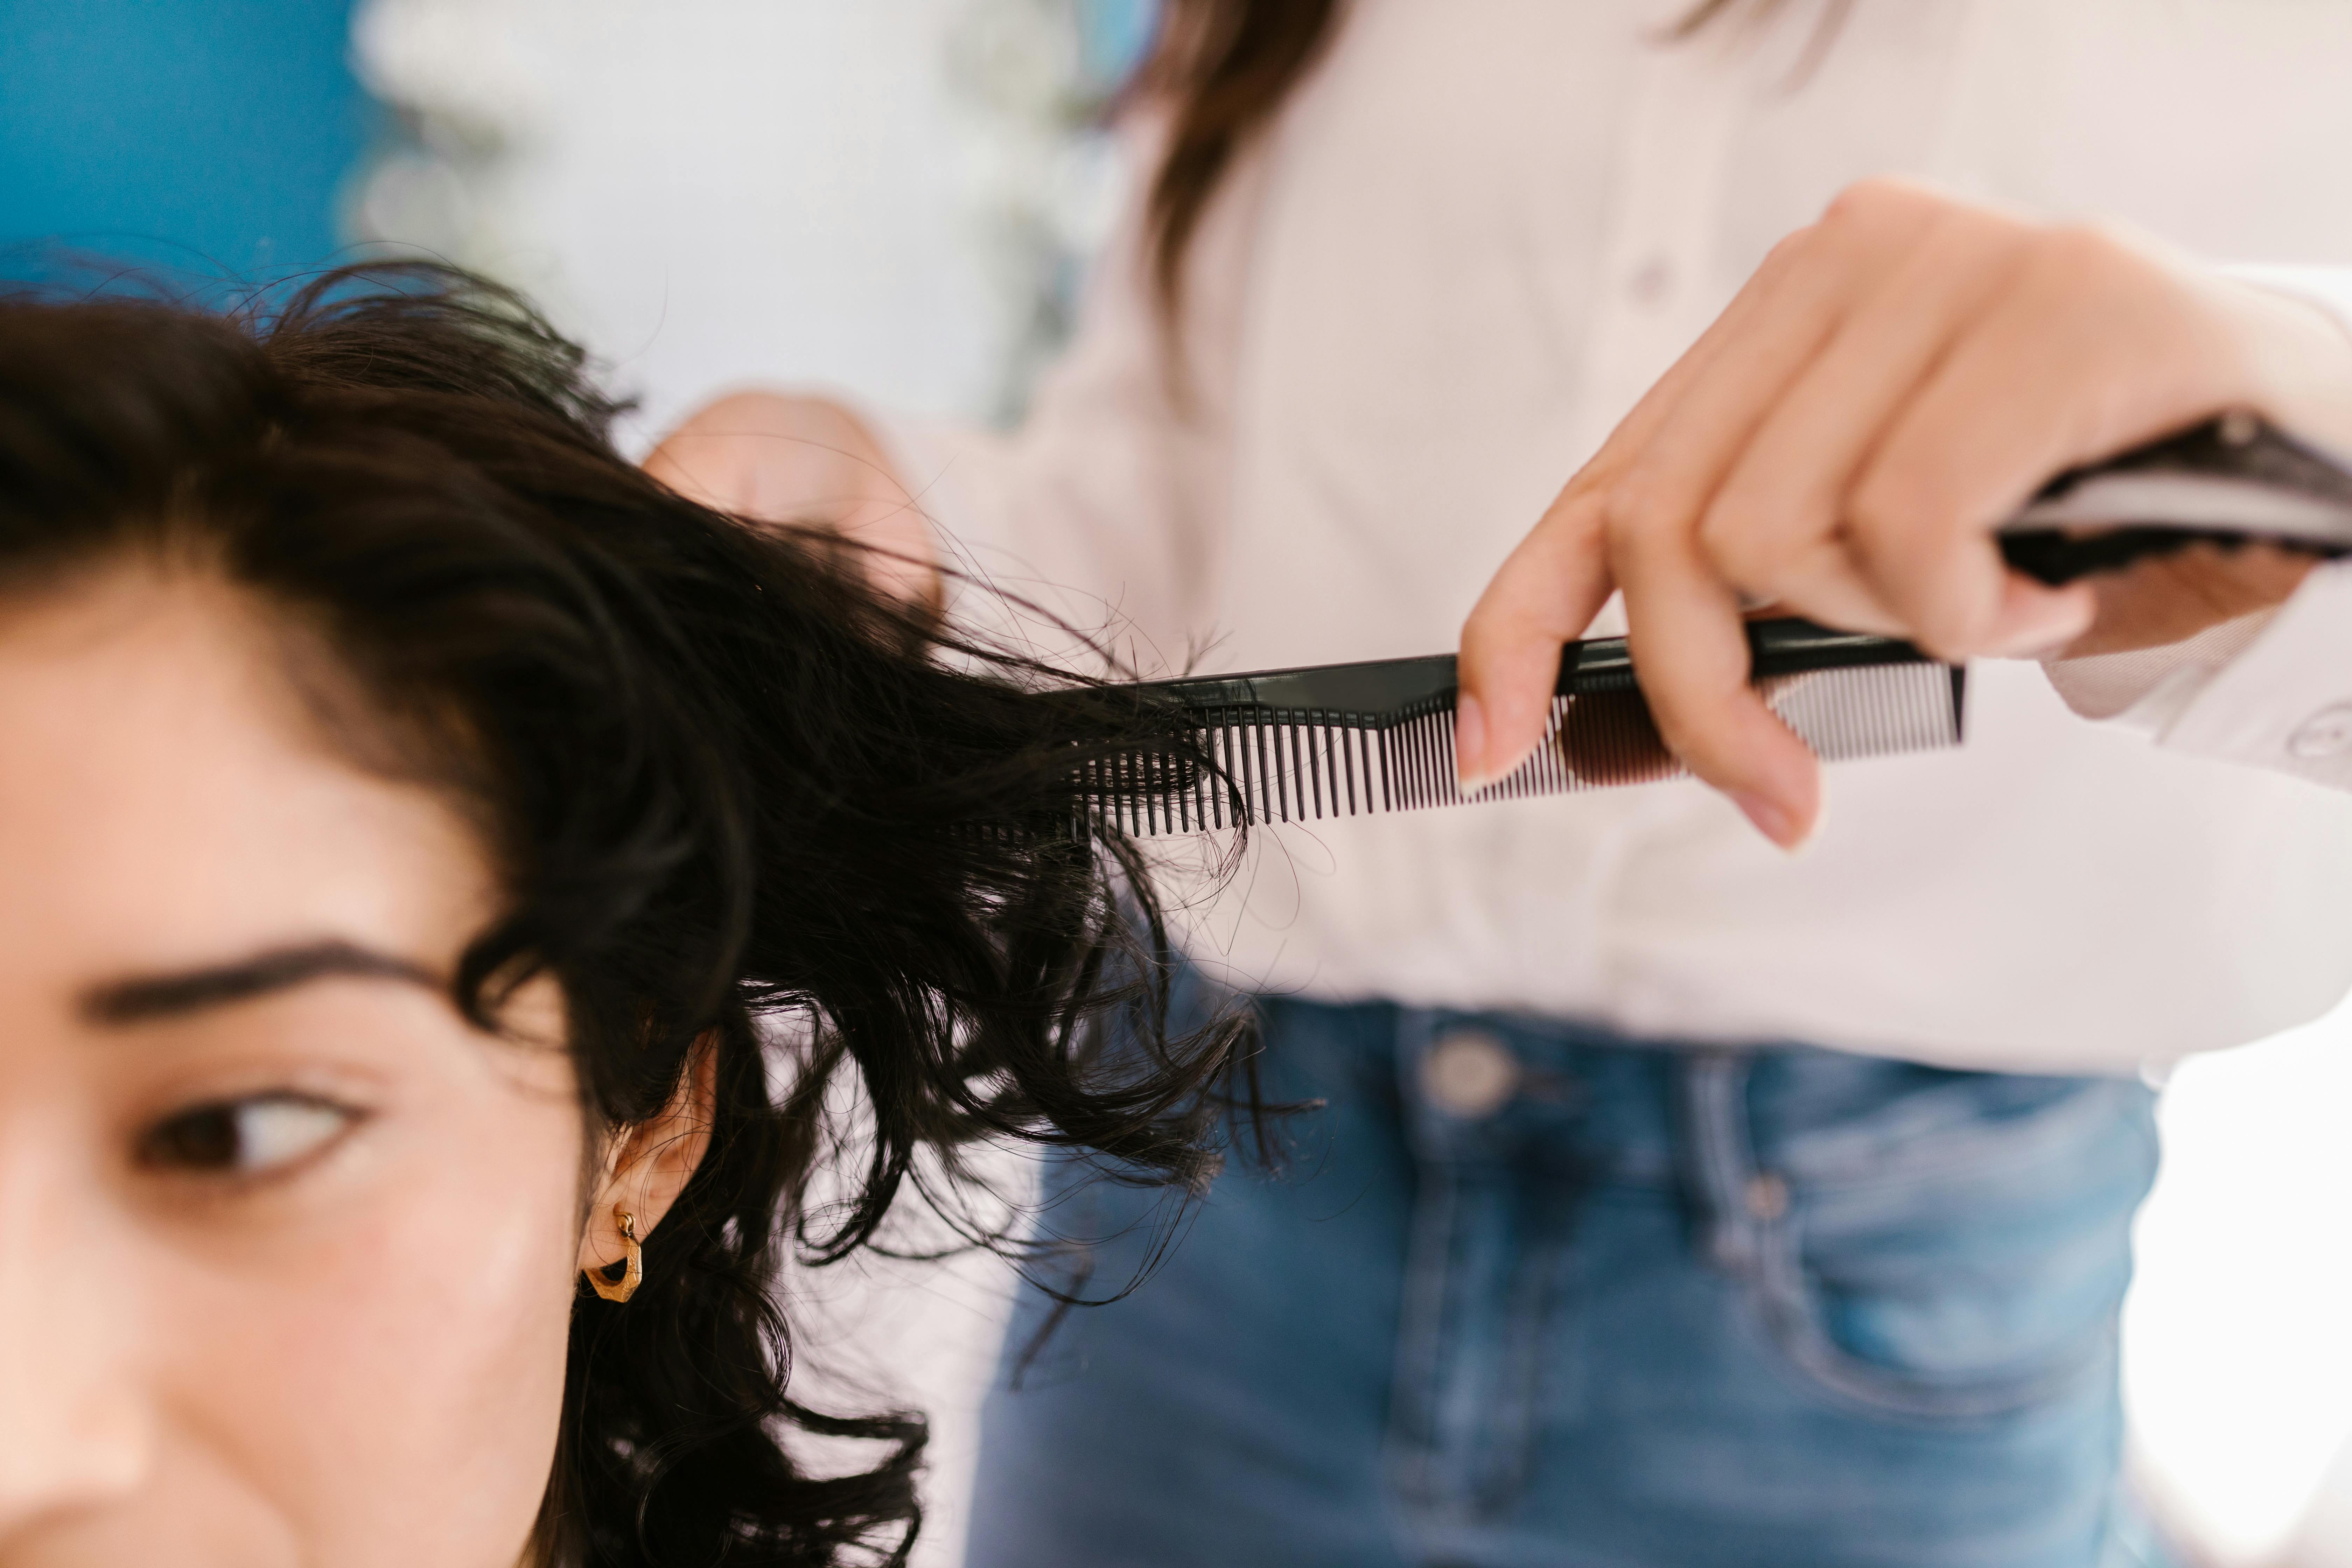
x,y
395,1364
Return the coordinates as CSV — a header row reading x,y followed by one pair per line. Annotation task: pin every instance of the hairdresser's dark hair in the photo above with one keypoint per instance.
x,y
1223,70
738,802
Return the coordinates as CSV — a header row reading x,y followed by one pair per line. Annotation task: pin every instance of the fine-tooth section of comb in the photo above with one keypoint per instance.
x,y
1332,740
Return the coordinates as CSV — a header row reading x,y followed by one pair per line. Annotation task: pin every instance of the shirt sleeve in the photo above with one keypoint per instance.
x,y
1093,535
2284,701
2329,287
2272,689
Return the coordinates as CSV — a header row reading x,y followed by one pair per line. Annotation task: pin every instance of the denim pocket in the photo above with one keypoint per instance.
x,y
1961,1252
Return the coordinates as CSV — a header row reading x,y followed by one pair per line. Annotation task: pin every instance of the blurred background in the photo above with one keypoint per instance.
x,y
898,199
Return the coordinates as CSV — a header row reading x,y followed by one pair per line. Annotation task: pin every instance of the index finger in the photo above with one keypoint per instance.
x,y
1551,587
1548,592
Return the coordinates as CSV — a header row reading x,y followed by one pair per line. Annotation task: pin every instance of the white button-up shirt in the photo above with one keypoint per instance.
x,y
2272,689
1473,237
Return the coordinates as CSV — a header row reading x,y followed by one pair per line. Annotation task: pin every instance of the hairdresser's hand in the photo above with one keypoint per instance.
x,y
1893,382
790,460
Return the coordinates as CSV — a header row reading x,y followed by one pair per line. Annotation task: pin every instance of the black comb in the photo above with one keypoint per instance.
x,y
2228,482
1342,740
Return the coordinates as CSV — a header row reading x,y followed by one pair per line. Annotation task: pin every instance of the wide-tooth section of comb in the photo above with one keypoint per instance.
x,y
1387,741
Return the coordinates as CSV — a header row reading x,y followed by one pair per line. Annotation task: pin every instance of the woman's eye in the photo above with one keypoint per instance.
x,y
244,1137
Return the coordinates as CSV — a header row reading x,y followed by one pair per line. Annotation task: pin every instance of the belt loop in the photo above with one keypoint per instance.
x,y
1719,1158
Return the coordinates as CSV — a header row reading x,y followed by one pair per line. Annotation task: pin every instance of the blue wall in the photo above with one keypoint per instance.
x,y
203,136
1113,35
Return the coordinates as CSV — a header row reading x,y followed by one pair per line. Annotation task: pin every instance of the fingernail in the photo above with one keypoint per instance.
x,y
2051,625
2037,642
1770,819
1469,746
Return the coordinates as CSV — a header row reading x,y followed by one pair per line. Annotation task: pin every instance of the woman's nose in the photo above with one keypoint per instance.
x,y
75,1429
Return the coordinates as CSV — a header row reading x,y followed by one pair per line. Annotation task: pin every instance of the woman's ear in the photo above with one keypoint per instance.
x,y
649,1162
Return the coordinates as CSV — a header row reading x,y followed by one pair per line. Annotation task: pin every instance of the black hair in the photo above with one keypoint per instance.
x,y
727,787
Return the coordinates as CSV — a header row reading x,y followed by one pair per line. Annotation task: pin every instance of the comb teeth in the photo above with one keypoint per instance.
x,y
1264,764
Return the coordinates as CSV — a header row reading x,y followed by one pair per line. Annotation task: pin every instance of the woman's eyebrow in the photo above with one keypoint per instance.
x,y
144,997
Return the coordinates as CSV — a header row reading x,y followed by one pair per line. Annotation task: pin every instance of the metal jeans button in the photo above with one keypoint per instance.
x,y
1470,1074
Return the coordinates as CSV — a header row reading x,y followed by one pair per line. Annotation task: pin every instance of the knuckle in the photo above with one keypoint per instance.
x,y
1754,542
1879,500
2077,250
1577,517
1992,242
1900,503
1791,249
1876,201
1732,537
1490,628
1630,511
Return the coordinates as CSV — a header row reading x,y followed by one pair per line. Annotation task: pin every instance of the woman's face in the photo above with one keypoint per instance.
x,y
287,1249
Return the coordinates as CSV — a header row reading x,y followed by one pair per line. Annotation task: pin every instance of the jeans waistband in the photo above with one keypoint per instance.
x,y
1486,1086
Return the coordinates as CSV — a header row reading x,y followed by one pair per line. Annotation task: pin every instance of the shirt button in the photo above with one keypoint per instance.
x,y
1470,1074
1650,284
2326,733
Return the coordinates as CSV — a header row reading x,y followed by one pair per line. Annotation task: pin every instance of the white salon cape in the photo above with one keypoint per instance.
x,y
1473,239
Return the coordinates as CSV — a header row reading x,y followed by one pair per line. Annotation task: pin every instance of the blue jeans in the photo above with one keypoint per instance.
x,y
1586,1303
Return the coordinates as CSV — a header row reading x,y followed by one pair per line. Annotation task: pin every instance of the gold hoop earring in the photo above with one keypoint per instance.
x,y
632,1276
